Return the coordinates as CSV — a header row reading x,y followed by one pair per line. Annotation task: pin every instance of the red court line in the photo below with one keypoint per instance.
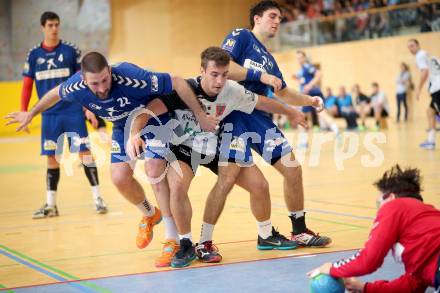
x,y
186,268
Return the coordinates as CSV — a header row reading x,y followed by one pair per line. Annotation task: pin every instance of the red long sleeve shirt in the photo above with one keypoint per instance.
x,y
28,82
412,230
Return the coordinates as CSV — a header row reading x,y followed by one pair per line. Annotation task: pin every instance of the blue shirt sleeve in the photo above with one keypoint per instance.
x,y
77,59
236,42
65,91
142,83
29,65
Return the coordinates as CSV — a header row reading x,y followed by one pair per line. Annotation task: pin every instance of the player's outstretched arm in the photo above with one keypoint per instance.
x,y
273,106
135,143
239,73
25,118
207,123
295,98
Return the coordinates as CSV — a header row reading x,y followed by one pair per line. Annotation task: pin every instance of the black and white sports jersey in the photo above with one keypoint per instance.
x,y
232,97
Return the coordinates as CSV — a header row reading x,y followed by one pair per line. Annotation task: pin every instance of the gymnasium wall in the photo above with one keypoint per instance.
x,y
169,35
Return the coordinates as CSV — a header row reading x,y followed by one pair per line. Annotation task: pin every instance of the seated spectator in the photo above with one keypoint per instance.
x,y
346,108
380,105
363,107
330,103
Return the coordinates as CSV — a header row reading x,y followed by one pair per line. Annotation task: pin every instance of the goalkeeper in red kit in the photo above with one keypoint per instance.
x,y
406,226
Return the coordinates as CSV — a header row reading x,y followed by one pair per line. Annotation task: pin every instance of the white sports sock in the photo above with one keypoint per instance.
x,y
51,198
170,229
146,208
334,128
431,135
265,229
297,214
95,192
187,236
206,232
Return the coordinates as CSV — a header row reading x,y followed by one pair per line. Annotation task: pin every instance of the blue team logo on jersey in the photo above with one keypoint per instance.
x,y
229,45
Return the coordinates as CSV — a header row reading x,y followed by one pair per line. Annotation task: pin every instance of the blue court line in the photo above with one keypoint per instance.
x,y
45,272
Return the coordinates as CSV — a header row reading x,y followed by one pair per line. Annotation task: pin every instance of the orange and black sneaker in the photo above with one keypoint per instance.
x,y
170,247
145,233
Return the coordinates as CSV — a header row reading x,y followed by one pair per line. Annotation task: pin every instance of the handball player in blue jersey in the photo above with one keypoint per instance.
x,y
247,49
114,93
48,64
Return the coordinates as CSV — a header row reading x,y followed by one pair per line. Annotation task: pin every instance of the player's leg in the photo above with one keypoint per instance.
x,y
77,135
122,177
276,150
433,110
156,150
328,121
291,170
50,131
156,169
253,181
179,176
215,202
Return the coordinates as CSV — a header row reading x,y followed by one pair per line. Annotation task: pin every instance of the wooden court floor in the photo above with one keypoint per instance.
x,y
339,198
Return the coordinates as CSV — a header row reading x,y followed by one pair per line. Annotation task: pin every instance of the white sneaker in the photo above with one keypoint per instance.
x,y
101,207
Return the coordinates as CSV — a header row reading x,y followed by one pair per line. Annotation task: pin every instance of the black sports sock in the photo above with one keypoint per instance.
x,y
92,175
52,179
298,224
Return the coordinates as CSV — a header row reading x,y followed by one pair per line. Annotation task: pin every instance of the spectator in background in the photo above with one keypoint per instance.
x,y
379,102
363,107
330,103
404,85
346,108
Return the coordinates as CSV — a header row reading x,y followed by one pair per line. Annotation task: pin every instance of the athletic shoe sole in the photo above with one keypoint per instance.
x,y
183,264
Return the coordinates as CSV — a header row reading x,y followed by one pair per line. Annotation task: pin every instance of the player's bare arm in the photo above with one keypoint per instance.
x,y
295,98
272,106
25,118
135,143
239,73
207,123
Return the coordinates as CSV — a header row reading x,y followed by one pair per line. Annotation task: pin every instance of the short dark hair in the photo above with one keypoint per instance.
x,y
375,84
216,54
403,183
415,41
93,62
260,8
48,15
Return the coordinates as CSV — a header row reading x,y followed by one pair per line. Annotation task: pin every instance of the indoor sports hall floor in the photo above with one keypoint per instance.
x,y
81,251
